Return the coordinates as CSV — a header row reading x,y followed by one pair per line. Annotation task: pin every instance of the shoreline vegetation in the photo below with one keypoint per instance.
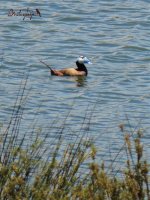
x,y
31,171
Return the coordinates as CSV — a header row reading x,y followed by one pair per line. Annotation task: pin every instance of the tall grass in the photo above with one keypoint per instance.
x,y
35,172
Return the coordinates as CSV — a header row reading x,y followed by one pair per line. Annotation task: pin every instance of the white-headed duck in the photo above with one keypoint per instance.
x,y
81,69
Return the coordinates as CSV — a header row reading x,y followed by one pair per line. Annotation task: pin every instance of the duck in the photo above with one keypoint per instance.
x,y
81,69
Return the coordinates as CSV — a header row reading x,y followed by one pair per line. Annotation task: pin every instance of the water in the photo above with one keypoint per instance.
x,y
114,35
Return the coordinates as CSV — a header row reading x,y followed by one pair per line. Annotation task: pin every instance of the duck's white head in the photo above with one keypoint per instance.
x,y
83,60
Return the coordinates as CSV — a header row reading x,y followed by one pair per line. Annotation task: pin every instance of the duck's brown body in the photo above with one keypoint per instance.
x,y
79,71
68,72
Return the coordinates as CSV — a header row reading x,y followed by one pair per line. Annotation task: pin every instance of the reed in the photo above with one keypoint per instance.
x,y
34,172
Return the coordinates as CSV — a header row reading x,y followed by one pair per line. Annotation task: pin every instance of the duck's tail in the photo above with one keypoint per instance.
x,y
52,71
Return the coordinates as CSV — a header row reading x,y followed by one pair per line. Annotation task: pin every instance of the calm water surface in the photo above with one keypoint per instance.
x,y
114,35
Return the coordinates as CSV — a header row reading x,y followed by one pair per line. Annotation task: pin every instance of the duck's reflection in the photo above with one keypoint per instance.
x,y
80,80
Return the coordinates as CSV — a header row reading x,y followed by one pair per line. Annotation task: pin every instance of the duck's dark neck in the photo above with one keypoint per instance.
x,y
81,67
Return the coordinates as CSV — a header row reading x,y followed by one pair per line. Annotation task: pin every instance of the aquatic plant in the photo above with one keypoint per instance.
x,y
33,171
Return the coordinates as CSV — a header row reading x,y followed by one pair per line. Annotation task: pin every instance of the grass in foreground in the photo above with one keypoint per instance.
x,y
32,172
24,174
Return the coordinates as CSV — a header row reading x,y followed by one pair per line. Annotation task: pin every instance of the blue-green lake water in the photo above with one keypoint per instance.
x,y
114,35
